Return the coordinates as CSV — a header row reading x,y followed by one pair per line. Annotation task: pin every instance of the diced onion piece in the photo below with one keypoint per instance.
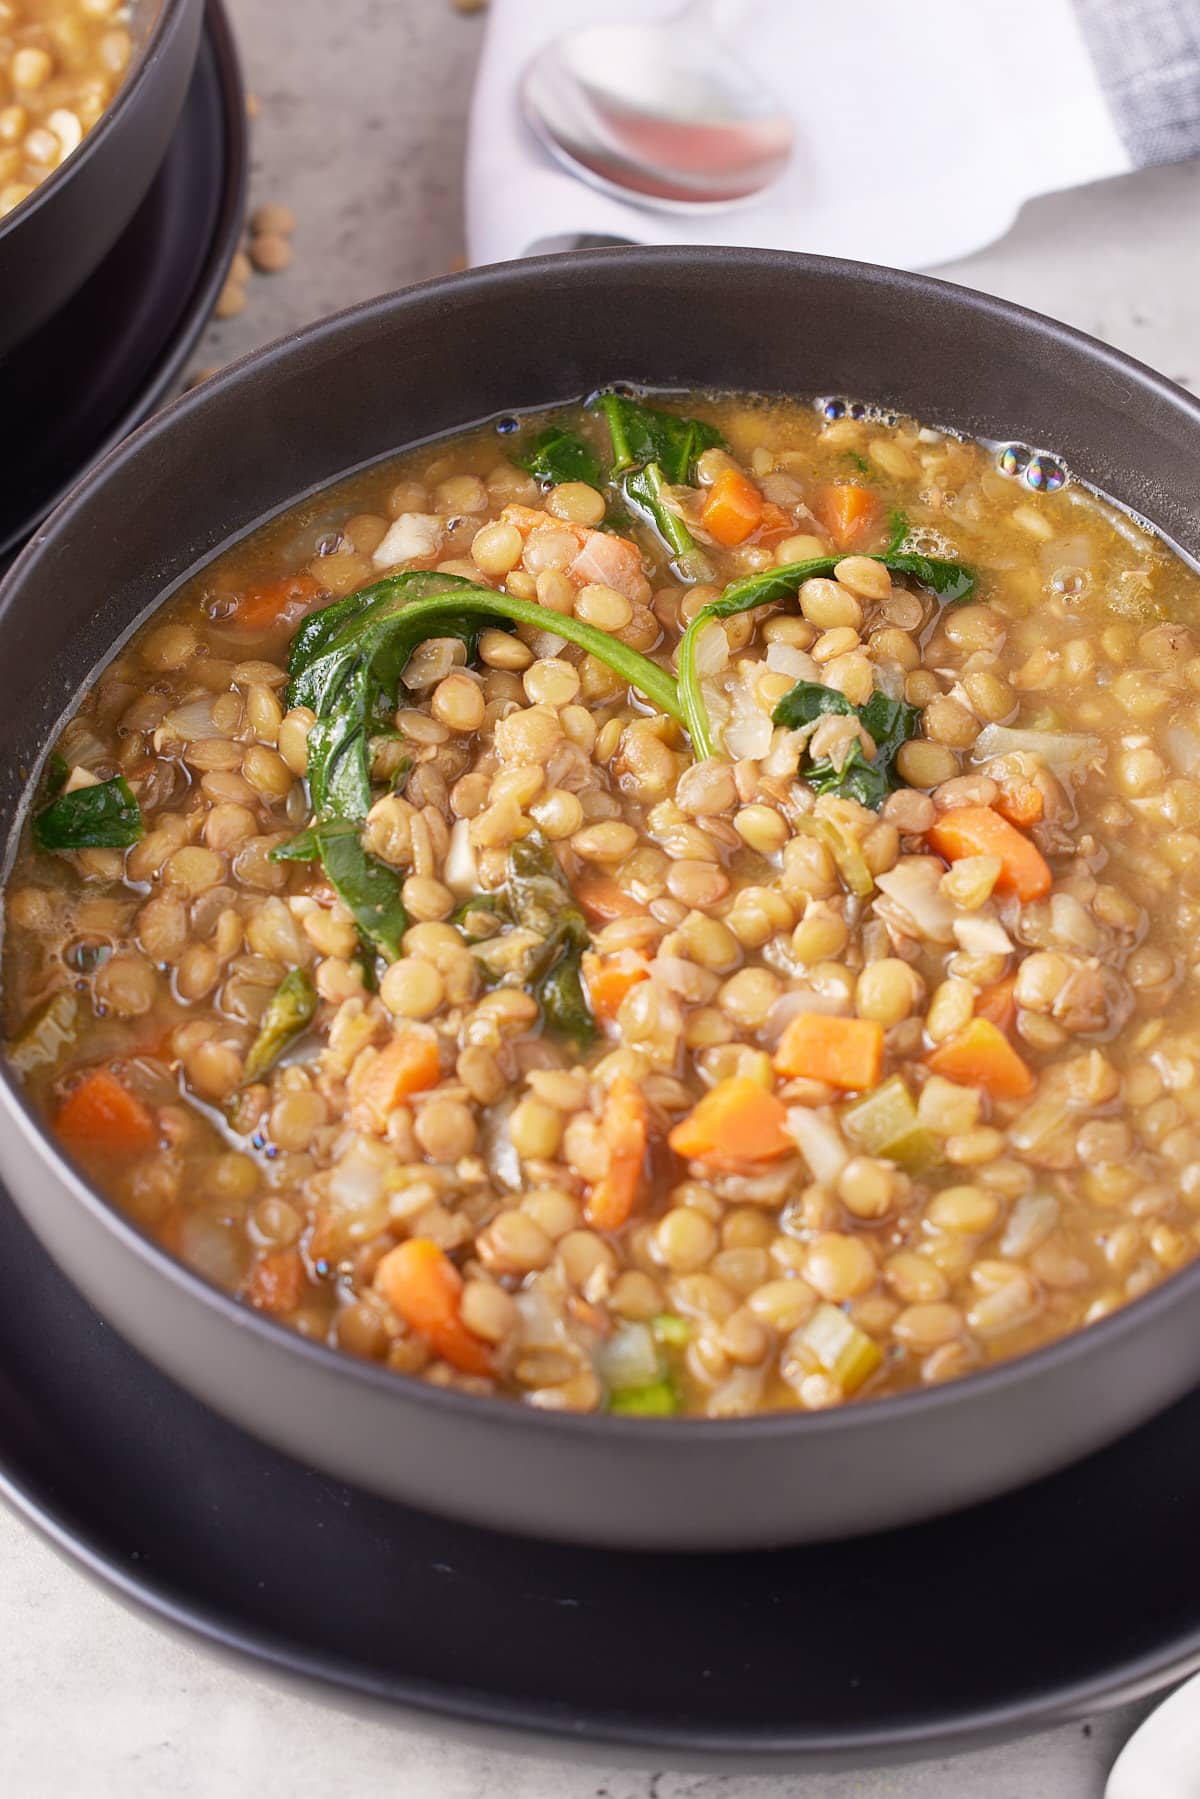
x,y
815,1133
1066,752
461,870
711,649
80,777
629,1358
786,659
358,1187
1030,1222
412,535
783,757
1183,747
980,935
190,723
748,736
914,888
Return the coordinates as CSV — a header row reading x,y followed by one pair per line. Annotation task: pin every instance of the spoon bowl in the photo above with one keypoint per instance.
x,y
662,115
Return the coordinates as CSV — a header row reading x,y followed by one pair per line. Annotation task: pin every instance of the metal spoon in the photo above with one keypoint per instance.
x,y
664,115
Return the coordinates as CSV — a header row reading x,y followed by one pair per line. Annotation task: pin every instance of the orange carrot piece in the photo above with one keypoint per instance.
x,y
733,508
848,512
102,1114
609,979
626,1128
277,1282
775,523
844,1052
980,1055
980,831
738,1120
422,1285
408,1064
1022,806
998,1003
285,601
603,901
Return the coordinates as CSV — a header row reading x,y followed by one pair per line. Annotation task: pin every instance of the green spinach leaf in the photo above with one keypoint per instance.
x,y
644,492
558,455
807,701
654,449
540,900
55,775
857,779
890,723
642,434
367,886
350,679
950,581
104,817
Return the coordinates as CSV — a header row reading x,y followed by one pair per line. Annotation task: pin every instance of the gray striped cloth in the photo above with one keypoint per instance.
x,y
1147,56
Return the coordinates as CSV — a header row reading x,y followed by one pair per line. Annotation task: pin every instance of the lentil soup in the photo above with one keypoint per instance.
x,y
61,63
675,907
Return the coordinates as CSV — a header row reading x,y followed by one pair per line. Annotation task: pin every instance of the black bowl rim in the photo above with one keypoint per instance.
x,y
166,19
949,1397
230,182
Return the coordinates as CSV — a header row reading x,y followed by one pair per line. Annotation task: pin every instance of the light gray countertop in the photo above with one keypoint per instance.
x,y
360,130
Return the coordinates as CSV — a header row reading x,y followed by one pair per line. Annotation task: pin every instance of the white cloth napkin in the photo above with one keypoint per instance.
x,y
921,129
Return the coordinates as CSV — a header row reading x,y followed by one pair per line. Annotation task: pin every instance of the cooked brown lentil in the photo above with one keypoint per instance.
x,y
851,1233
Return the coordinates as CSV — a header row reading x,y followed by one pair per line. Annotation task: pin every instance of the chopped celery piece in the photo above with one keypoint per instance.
x,y
671,1329
842,1349
657,1401
290,1012
884,1123
845,849
46,1035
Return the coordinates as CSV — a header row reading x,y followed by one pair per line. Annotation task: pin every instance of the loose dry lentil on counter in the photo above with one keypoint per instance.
x,y
873,1096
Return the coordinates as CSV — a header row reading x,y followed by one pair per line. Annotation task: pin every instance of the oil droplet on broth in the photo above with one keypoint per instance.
x,y
1045,474
1013,459
1040,471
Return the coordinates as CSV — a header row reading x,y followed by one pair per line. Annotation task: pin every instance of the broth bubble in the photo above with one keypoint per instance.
x,y
1045,474
1013,459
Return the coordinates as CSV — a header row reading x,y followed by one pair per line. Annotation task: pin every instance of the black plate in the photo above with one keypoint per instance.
x,y
106,360
1083,1591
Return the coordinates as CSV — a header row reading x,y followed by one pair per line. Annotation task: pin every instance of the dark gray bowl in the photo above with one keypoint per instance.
x,y
50,244
351,390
